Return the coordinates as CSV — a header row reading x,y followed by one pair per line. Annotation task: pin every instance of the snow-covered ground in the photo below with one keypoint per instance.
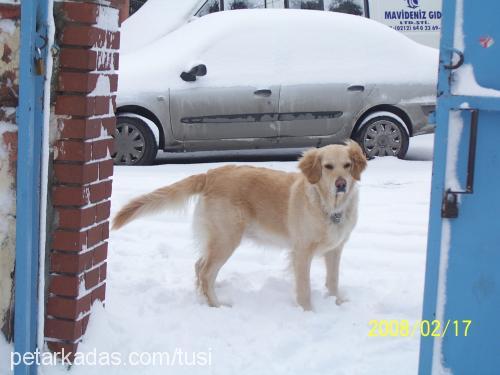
x,y
151,304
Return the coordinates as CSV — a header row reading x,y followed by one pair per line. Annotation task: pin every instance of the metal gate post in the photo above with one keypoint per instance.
x,y
462,282
30,122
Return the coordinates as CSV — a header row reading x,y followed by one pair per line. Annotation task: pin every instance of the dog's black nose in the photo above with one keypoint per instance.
x,y
341,184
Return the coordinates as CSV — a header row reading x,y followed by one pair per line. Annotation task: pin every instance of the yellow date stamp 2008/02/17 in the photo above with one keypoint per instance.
x,y
425,328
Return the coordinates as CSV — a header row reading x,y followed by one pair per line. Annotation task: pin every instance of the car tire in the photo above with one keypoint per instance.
x,y
135,143
383,136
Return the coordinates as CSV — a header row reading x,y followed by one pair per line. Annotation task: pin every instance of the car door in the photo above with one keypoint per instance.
x,y
237,99
224,113
309,111
322,89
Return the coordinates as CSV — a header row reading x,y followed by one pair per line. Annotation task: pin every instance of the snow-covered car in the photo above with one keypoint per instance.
x,y
274,78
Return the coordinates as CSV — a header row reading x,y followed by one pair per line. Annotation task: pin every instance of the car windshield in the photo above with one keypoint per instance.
x,y
161,16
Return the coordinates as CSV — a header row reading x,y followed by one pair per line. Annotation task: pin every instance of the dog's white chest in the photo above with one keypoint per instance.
x,y
337,232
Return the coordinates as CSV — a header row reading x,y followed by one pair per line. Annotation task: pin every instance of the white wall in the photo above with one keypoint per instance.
x,y
9,45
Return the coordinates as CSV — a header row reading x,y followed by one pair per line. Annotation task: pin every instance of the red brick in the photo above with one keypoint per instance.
x,y
100,191
109,124
97,192
68,308
100,254
108,61
77,82
85,323
101,105
103,211
91,278
109,188
110,146
76,218
81,12
113,103
69,241
70,263
70,196
117,3
10,11
113,39
84,36
78,58
99,293
63,329
103,270
105,61
65,285
105,230
113,82
73,151
79,128
105,169
74,105
94,235
116,61
76,173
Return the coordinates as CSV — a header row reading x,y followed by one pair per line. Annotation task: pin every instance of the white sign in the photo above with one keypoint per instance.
x,y
418,19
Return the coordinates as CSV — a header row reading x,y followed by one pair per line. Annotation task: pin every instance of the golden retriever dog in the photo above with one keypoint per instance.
x,y
312,213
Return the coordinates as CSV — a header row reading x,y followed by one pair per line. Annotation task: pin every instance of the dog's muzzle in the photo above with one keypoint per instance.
x,y
341,185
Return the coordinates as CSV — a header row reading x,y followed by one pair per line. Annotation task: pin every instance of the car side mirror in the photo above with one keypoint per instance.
x,y
197,71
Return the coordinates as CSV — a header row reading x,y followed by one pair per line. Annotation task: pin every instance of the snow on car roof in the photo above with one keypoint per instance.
x,y
153,20
266,46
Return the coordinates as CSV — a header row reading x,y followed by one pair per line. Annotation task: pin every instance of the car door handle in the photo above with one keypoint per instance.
x,y
263,92
360,88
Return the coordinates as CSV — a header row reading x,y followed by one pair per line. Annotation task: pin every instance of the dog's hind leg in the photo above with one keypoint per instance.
x,y
197,269
217,253
223,237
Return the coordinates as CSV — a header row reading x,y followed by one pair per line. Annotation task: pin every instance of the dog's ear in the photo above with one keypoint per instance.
x,y
358,159
310,165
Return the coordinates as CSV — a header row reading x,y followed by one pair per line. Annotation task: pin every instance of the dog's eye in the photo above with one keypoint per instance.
x,y
329,166
347,165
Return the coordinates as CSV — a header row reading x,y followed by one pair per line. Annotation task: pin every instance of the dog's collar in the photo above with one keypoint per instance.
x,y
336,217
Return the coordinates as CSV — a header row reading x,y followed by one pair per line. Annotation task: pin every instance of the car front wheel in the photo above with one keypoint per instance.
x,y
383,136
135,143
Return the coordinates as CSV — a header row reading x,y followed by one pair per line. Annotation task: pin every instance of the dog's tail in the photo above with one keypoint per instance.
x,y
171,197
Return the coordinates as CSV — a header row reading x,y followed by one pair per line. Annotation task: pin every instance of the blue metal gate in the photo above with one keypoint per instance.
x,y
462,286
30,122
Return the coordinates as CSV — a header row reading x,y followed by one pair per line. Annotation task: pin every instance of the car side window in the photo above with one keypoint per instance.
x,y
244,4
307,4
355,7
211,6
344,6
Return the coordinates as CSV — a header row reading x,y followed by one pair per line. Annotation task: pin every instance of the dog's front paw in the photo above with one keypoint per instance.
x,y
306,306
340,300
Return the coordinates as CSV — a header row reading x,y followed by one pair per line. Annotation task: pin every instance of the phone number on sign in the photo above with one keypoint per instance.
x,y
405,328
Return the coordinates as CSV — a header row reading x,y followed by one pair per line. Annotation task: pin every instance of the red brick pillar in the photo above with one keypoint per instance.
x,y
85,85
